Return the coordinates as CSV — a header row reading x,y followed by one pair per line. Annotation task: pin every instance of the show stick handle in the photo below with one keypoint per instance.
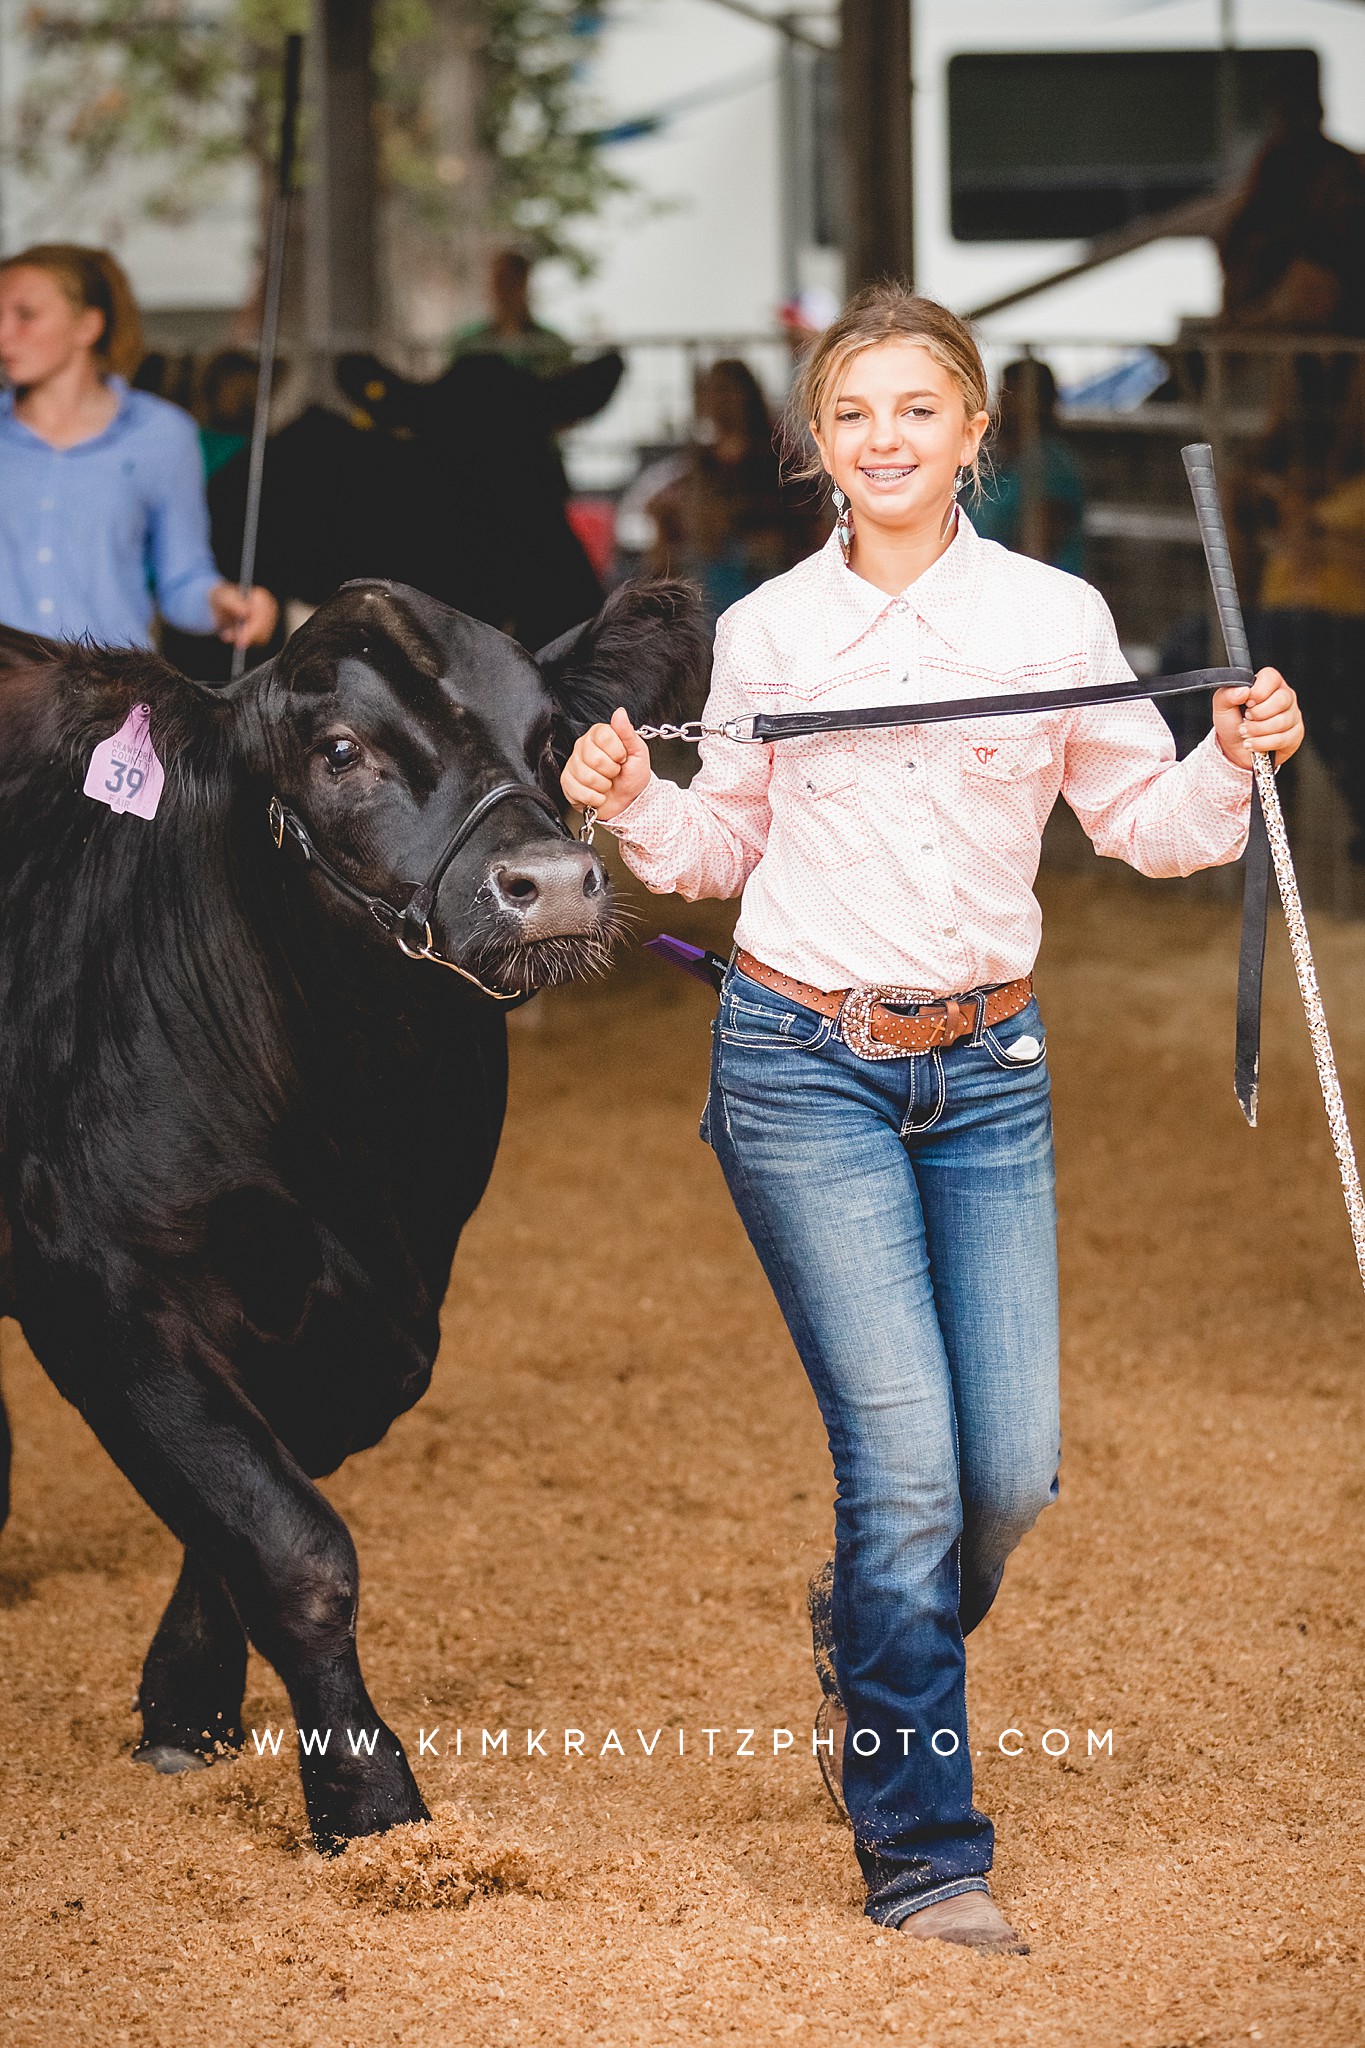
x,y
270,325
1208,510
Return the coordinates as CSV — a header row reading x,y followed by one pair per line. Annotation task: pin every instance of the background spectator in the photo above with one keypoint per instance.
x,y
103,519
722,515
227,402
511,329
1293,252
1033,500
1301,516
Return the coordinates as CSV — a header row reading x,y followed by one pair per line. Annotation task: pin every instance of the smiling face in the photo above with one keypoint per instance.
x,y
41,331
389,717
894,433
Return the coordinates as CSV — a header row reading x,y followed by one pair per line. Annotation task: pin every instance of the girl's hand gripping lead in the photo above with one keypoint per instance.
x,y
1262,720
608,768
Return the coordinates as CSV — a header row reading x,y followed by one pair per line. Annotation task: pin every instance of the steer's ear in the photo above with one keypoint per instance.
x,y
648,648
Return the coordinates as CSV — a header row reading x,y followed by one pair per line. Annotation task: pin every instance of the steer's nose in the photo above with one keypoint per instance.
x,y
551,892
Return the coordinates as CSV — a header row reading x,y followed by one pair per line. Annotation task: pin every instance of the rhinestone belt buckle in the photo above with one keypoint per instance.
x,y
855,1019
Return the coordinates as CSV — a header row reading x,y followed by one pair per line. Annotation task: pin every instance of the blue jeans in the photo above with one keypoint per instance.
x,y
904,1213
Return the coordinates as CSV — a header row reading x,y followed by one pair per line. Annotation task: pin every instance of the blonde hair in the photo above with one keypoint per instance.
x,y
881,312
91,279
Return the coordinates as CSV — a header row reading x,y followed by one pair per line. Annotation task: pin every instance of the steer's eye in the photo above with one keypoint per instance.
x,y
541,751
341,754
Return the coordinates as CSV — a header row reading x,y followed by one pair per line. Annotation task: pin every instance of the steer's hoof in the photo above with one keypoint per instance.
x,y
166,1758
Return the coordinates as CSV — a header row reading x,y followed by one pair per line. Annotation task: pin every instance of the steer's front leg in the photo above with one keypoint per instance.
x,y
208,1464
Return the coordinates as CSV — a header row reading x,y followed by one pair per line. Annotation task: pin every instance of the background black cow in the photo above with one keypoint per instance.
x,y
240,1129
456,486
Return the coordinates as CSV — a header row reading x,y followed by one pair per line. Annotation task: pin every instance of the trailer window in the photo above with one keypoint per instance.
x,y
1050,145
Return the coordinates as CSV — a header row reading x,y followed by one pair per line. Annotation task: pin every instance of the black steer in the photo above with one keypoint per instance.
x,y
241,1127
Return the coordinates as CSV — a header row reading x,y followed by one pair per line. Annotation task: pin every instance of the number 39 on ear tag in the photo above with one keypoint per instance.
x,y
124,770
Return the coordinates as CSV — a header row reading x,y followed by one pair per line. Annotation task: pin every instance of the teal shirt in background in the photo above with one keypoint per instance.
x,y
219,448
1000,513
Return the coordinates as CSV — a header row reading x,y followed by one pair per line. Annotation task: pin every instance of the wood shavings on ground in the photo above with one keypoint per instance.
x,y
611,1533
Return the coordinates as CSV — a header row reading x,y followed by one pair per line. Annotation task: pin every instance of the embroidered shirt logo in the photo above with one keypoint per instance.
x,y
984,754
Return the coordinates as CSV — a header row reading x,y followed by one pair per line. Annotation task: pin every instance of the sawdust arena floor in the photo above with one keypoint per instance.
x,y
603,1517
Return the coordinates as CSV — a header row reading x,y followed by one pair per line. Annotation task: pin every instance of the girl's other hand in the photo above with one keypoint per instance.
x,y
243,621
608,768
1262,720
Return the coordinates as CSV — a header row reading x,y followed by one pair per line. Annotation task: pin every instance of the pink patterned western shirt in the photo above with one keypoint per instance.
x,y
907,857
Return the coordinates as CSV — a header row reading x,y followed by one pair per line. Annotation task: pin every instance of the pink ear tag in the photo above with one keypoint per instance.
x,y
124,771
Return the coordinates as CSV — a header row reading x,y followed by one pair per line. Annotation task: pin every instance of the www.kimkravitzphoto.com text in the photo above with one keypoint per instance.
x,y
670,1743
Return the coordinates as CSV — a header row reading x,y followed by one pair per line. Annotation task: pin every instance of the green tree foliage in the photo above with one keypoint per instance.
x,y
180,90
549,173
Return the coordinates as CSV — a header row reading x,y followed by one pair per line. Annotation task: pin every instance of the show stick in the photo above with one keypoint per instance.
x,y
270,322
1267,831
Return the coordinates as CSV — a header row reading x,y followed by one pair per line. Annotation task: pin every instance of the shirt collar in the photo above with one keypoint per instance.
x,y
120,389
941,597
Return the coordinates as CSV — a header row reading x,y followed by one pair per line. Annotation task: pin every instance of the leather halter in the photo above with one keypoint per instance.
x,y
410,927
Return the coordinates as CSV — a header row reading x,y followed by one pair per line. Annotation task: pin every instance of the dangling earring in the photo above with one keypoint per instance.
x,y
952,505
843,524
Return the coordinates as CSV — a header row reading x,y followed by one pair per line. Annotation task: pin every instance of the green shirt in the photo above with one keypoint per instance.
x,y
537,349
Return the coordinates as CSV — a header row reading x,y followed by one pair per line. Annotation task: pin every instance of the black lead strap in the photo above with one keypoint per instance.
x,y
769,728
792,725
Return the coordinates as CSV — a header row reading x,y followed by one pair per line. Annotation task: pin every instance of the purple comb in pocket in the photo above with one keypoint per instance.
x,y
698,961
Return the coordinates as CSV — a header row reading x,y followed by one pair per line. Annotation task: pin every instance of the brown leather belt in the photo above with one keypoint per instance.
x,y
873,1021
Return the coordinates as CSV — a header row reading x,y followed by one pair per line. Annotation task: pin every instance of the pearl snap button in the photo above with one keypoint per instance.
x,y
45,605
44,554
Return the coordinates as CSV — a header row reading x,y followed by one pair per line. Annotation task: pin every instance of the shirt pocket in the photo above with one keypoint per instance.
x,y
817,783
817,808
1003,755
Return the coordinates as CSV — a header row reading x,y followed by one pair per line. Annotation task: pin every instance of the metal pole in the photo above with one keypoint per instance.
x,y
270,323
875,122
1226,93
342,248
794,172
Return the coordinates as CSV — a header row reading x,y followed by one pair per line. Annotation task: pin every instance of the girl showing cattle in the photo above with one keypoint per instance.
x,y
103,518
879,1098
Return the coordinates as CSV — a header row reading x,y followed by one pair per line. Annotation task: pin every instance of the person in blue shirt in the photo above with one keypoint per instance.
x,y
103,519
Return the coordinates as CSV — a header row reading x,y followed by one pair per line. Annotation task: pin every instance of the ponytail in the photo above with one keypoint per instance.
x,y
92,279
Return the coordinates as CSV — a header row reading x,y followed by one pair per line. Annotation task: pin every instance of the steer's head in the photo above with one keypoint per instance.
x,y
391,723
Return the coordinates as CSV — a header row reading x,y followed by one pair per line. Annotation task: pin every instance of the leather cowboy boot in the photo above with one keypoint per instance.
x,y
972,1918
